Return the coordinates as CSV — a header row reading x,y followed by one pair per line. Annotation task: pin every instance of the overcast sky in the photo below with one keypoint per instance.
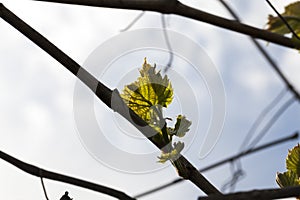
x,y
40,99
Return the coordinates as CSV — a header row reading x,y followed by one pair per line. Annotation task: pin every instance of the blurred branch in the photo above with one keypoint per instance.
x,y
259,119
111,98
264,53
224,161
271,122
267,194
36,171
175,7
242,154
166,36
137,18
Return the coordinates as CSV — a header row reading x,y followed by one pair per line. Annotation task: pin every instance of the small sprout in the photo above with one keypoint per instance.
x,y
173,154
181,127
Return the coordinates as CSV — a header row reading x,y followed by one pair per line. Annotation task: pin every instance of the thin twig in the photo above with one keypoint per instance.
x,y
224,161
175,7
276,100
166,36
251,151
272,121
133,22
260,118
237,174
36,171
265,54
111,98
44,188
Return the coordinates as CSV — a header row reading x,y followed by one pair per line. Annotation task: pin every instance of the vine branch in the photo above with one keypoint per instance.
x,y
36,171
177,8
224,161
111,98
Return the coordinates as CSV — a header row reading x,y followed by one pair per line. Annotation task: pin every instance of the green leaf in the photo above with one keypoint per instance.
x,y
173,154
288,178
147,97
293,160
149,94
181,127
291,15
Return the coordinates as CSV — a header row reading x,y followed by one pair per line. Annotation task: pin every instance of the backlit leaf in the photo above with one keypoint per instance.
x,y
149,94
288,178
291,15
293,160
147,97
181,127
173,155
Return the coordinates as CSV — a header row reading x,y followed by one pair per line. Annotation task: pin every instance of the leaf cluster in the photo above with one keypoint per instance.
x,y
147,97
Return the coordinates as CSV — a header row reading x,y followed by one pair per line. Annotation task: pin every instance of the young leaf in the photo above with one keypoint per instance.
x,y
149,93
286,179
293,160
181,127
146,97
291,15
173,154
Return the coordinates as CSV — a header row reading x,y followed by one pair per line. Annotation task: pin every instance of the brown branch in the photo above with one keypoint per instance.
x,y
223,161
267,194
175,7
36,171
111,98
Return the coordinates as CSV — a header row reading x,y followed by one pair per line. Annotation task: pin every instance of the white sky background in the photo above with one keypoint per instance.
x,y
37,122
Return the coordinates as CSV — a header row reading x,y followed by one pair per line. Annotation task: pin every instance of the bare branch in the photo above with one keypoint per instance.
x,y
171,54
271,122
224,161
111,98
265,54
163,6
260,119
43,186
250,151
137,18
175,7
267,194
36,171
